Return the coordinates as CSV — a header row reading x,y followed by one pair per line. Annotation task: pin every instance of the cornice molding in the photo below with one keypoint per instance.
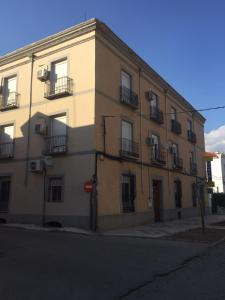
x,y
50,41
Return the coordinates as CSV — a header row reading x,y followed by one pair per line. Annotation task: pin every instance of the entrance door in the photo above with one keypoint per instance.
x,y
4,193
157,199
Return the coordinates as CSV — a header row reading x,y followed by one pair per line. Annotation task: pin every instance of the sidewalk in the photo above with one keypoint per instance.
x,y
165,229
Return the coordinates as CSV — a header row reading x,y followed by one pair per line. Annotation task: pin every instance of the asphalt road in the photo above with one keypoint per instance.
x,y
55,265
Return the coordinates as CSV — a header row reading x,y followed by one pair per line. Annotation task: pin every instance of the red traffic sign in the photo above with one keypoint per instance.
x,y
88,186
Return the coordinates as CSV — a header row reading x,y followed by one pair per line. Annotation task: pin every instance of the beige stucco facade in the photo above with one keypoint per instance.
x,y
94,113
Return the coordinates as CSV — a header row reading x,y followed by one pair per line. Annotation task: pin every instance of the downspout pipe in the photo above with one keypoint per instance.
x,y
32,58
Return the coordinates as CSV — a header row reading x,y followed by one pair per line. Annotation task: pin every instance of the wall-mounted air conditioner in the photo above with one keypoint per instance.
x,y
43,74
36,166
40,129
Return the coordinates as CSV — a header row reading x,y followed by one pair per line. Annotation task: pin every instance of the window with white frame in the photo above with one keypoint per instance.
x,y
6,140
9,91
55,189
58,76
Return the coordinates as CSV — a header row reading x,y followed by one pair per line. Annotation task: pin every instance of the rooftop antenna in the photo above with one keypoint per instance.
x,y
85,15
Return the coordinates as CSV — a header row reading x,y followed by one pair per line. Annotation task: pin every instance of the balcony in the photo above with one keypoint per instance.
x,y
9,102
175,127
193,168
129,148
55,145
177,163
156,115
6,150
128,97
158,156
191,136
61,88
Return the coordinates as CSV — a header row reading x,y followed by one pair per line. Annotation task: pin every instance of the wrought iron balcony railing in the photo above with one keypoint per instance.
x,y
175,127
177,163
191,136
62,87
156,115
56,145
9,101
6,150
128,97
129,148
158,156
193,168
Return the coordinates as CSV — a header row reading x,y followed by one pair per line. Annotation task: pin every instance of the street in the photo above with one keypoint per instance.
x,y
58,265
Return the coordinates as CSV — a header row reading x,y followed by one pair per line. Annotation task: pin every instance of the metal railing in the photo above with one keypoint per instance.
x,y
175,126
191,136
63,86
9,101
156,115
6,150
127,96
177,162
158,156
129,148
193,168
56,144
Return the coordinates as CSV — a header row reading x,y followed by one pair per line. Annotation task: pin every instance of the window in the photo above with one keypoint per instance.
x,y
192,158
9,95
154,101
175,152
126,80
173,114
55,189
194,194
57,139
190,127
60,84
128,192
6,140
155,146
127,136
178,193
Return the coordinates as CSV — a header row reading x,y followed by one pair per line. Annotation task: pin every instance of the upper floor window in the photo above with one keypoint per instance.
x,y
190,126
59,84
57,135
175,125
177,161
9,96
157,154
128,146
173,114
6,141
190,133
155,114
127,96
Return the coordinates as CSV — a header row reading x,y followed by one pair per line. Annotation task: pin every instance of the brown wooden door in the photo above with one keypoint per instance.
x,y
156,199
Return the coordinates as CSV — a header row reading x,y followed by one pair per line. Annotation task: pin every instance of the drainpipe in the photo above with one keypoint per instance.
x,y
32,58
167,151
141,155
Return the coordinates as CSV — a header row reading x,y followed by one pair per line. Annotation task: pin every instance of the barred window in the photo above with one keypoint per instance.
x,y
55,189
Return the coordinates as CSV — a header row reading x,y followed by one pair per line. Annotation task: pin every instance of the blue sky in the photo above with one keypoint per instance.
x,y
182,40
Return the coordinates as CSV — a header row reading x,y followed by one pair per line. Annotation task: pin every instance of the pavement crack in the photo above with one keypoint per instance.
x,y
156,276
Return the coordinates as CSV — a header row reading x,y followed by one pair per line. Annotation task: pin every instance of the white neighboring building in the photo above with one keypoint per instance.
x,y
218,172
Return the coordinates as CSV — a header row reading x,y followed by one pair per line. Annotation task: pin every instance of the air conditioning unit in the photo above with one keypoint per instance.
x,y
149,141
40,129
42,74
36,166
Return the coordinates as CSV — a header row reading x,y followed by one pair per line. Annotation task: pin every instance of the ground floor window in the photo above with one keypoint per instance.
x,y
128,192
178,193
55,189
194,194
4,193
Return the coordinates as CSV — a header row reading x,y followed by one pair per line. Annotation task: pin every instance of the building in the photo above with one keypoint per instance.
x,y
81,105
218,173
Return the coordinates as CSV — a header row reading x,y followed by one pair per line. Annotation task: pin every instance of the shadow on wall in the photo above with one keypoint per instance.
x,y
49,136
